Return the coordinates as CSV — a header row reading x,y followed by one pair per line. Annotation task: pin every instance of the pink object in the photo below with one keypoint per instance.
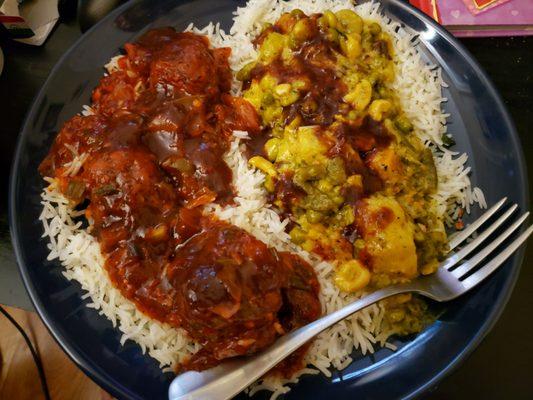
x,y
476,18
479,6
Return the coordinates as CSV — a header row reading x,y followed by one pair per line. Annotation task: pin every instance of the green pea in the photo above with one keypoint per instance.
x,y
285,22
374,28
297,235
298,13
338,200
349,21
299,84
244,72
322,23
289,99
302,30
331,19
333,35
282,89
271,113
313,216
351,46
272,148
272,46
352,115
403,124
268,98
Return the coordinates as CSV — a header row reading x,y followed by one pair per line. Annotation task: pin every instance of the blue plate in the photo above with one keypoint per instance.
x,y
482,128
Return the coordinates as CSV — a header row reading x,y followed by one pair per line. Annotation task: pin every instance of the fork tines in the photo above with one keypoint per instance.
x,y
462,271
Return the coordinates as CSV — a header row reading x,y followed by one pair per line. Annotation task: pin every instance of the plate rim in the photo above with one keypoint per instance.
x,y
105,381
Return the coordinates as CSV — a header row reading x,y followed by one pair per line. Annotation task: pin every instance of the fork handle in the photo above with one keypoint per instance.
x,y
233,376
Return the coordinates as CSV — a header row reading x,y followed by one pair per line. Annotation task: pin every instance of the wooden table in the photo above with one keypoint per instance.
x,y
499,369
19,379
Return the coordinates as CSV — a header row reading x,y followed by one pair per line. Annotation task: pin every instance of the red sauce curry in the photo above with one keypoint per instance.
x,y
155,146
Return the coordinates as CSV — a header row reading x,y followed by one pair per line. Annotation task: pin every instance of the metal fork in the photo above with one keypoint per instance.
x,y
449,282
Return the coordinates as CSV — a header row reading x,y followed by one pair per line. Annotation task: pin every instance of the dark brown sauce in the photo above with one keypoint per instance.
x,y
353,143
256,145
314,64
380,218
287,191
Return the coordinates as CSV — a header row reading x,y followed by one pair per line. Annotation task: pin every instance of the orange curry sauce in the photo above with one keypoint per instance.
x,y
155,143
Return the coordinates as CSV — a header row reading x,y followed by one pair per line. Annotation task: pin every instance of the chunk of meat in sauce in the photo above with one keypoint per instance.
x,y
81,134
189,145
238,114
231,288
138,223
123,131
115,92
127,188
181,59
353,144
301,305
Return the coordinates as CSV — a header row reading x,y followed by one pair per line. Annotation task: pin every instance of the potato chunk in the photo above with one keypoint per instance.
x,y
352,276
386,164
388,236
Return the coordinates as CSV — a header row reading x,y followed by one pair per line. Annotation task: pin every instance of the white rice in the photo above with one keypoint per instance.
x,y
419,88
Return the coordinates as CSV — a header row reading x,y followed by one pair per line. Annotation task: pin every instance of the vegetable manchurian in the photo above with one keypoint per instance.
x,y
152,153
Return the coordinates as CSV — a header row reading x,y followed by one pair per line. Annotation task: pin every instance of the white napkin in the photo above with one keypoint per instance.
x,y
37,17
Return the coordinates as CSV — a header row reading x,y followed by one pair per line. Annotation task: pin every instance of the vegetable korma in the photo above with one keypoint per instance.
x,y
340,157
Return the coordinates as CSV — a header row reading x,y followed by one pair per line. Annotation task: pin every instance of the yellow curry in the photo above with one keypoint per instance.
x,y
340,157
